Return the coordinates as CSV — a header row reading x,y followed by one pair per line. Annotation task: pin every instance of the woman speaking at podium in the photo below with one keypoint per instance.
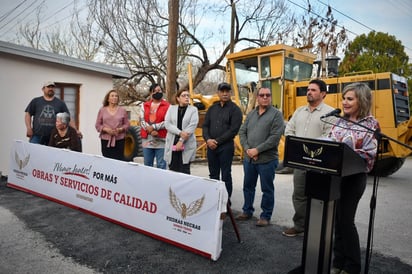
x,y
356,105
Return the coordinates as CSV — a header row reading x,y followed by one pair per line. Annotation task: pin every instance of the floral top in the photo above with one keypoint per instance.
x,y
358,138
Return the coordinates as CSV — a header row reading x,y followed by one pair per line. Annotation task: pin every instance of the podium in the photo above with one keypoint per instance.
x,y
325,162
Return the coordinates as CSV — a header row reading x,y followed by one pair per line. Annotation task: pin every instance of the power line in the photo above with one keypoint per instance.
x,y
5,15
27,16
404,6
320,16
19,22
347,16
355,19
15,17
62,19
60,10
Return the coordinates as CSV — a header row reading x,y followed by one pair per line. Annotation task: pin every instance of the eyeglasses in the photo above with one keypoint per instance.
x,y
51,86
265,95
185,95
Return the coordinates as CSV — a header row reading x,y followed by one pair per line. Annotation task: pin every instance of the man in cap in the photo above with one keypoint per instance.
x,y
220,126
40,115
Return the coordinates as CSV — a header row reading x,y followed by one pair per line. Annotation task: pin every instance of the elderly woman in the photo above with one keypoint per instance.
x,y
63,135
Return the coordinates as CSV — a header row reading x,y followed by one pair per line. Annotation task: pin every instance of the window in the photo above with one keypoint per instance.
x,y
296,70
70,94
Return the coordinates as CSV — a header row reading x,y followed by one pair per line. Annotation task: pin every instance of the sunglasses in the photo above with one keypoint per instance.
x,y
265,95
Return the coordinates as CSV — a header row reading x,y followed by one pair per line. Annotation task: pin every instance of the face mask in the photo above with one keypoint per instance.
x,y
157,95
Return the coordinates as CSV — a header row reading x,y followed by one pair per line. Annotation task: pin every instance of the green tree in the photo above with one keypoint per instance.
x,y
378,52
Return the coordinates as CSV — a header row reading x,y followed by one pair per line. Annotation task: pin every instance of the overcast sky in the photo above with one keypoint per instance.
x,y
358,16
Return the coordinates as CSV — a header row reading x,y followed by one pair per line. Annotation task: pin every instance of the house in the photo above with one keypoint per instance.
x,y
81,84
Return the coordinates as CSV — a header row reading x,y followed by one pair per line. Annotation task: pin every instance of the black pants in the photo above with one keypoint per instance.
x,y
177,163
116,152
346,247
220,161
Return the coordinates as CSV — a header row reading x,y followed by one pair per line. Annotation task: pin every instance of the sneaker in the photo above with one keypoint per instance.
x,y
291,232
262,222
243,217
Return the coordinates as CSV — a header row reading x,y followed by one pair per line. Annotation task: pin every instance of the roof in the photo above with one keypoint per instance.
x,y
43,55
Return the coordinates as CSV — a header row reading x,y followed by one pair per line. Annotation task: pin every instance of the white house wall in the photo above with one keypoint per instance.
x,y
21,80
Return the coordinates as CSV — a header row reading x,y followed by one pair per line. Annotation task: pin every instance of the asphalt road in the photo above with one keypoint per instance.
x,y
40,236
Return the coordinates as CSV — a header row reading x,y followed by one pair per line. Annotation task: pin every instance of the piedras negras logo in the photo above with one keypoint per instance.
x,y
183,209
21,162
312,153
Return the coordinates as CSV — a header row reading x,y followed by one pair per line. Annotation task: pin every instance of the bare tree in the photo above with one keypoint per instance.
x,y
134,34
30,32
81,40
317,32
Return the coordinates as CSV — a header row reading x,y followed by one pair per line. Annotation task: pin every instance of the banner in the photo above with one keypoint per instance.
x,y
180,209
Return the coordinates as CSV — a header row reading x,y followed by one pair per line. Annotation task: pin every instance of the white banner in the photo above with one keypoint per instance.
x,y
177,208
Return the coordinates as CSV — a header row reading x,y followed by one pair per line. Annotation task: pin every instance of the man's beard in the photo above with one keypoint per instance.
x,y
50,94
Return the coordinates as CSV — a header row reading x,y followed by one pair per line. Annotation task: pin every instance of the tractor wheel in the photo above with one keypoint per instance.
x,y
133,144
388,166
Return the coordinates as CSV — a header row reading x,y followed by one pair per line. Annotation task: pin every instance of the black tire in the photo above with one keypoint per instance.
x,y
133,144
388,166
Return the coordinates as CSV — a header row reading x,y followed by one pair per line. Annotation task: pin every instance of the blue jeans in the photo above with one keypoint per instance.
x,y
220,160
266,172
149,154
37,139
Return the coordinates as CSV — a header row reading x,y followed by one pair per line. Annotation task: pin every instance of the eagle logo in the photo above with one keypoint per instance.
x,y
19,162
182,208
312,153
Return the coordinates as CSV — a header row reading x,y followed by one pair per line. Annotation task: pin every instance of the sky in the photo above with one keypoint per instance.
x,y
388,16
357,16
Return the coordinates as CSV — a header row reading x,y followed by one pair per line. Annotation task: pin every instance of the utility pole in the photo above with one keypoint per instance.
x,y
232,26
173,7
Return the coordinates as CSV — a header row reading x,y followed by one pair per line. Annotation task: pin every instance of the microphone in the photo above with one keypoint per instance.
x,y
334,112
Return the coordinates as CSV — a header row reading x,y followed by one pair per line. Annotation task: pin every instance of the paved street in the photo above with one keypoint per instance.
x,y
40,236
393,211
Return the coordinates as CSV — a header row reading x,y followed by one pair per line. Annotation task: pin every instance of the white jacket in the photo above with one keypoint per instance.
x,y
189,124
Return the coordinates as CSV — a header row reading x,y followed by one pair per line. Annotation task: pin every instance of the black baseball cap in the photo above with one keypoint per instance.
x,y
224,86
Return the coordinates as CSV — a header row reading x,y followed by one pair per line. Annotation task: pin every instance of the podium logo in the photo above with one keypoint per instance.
x,y
312,153
183,209
21,163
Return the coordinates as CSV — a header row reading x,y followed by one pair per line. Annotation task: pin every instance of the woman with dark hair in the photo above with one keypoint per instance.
x,y
181,122
112,123
152,127
63,135
356,104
